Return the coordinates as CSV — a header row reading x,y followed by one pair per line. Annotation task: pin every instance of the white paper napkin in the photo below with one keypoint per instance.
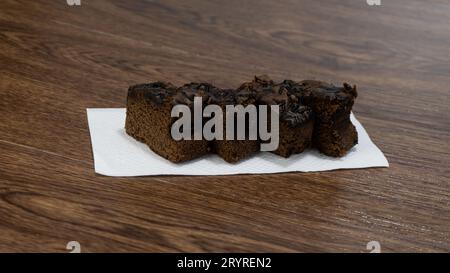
x,y
118,154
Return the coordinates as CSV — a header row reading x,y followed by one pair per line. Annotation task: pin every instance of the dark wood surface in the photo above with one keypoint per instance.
x,y
57,60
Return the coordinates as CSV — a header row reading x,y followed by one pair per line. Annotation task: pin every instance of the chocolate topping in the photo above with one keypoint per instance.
x,y
222,97
274,94
294,98
265,91
328,91
311,89
297,114
186,93
263,80
156,92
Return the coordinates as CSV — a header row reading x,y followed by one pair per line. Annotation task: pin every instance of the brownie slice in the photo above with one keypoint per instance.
x,y
296,129
234,150
296,121
334,133
149,119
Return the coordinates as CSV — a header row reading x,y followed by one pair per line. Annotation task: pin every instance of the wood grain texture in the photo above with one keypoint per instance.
x,y
56,60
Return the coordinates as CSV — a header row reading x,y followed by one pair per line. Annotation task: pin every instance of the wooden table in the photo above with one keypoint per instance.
x,y
56,60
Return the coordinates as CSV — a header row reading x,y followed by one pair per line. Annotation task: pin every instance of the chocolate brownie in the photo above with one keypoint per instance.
x,y
234,150
312,113
296,120
149,119
334,133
